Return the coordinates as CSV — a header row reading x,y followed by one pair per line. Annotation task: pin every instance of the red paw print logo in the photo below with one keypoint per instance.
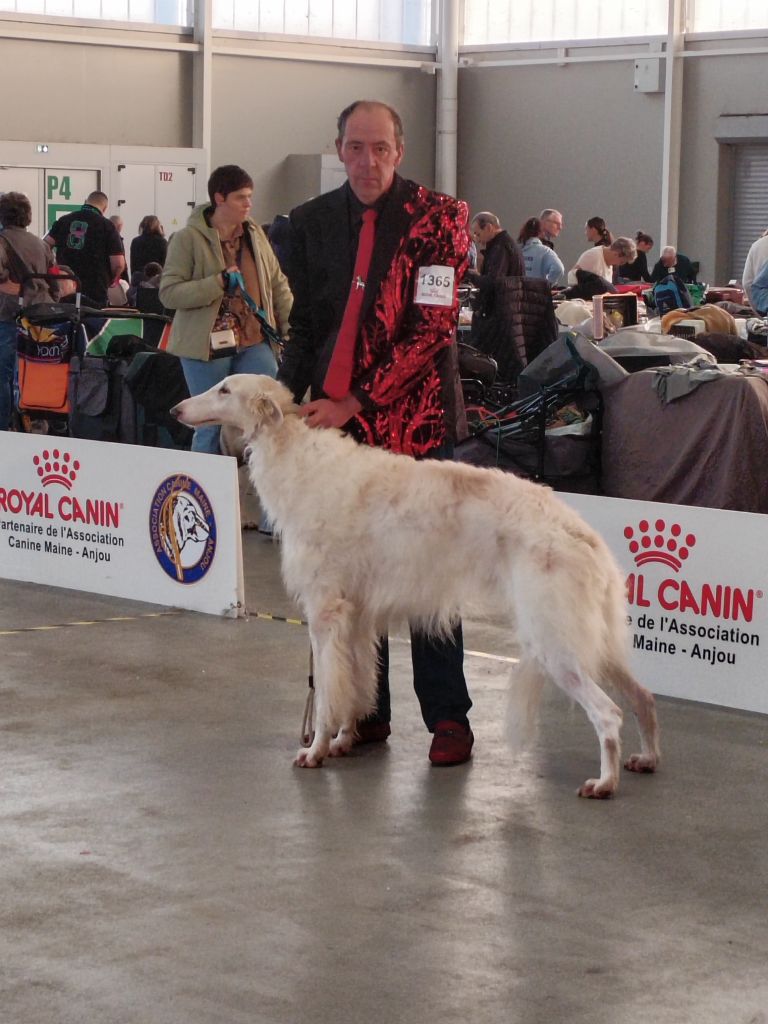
x,y
659,542
55,467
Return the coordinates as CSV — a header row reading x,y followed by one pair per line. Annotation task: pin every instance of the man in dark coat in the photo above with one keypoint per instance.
x,y
401,391
673,262
502,256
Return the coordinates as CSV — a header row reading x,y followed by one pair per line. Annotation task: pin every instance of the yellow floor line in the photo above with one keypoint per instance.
x,y
85,622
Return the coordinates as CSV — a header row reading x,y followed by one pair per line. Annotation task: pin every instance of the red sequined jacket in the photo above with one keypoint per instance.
x,y
405,366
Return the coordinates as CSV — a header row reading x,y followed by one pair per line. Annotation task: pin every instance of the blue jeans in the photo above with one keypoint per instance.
x,y
201,375
7,370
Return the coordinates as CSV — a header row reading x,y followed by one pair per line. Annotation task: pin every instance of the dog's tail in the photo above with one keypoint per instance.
x,y
523,703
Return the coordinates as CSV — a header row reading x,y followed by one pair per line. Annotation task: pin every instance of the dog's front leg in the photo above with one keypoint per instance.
x,y
329,629
312,756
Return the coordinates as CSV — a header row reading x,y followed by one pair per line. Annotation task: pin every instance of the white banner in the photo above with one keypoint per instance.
x,y
696,582
149,524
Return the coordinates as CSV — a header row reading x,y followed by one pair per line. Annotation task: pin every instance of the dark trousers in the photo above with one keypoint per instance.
x,y
438,679
438,668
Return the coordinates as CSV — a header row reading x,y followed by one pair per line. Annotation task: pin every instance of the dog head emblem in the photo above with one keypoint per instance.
x,y
189,526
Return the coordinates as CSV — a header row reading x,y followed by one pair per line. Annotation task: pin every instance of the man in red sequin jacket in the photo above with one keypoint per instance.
x,y
402,395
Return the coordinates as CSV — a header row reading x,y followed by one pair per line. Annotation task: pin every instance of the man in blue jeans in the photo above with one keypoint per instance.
x,y
373,337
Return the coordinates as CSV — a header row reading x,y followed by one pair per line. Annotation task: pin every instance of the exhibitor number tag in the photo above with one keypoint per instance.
x,y
435,286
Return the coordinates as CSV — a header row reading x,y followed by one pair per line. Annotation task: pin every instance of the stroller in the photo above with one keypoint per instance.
x,y
73,369
550,430
49,335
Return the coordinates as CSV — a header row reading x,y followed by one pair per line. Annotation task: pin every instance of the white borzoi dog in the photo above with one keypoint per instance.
x,y
370,538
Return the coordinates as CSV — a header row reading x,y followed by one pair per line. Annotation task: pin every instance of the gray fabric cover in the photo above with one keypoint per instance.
x,y
705,449
631,342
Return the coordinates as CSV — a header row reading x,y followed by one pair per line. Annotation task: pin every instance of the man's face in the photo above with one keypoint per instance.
x,y
236,205
482,235
370,152
553,225
668,258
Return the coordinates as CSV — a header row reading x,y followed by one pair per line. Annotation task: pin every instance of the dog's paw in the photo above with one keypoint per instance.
x,y
306,759
641,763
594,789
340,745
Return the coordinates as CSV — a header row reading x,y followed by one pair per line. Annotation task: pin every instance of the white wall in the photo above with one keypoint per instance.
x,y
290,107
576,137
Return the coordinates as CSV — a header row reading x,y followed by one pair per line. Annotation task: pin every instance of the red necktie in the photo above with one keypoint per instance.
x,y
339,375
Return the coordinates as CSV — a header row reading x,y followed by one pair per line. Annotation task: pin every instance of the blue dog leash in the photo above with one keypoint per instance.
x,y
235,280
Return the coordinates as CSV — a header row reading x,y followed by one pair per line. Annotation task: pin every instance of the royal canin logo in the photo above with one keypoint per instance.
x,y
670,546
55,467
659,543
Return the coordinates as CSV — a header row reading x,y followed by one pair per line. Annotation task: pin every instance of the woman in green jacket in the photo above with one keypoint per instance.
x,y
214,331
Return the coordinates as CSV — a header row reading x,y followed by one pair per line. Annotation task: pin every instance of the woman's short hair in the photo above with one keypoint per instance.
x,y
625,248
15,210
226,179
642,237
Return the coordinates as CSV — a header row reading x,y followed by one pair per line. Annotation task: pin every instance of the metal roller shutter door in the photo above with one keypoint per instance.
x,y
750,202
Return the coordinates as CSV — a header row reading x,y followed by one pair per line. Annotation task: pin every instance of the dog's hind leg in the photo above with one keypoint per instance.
x,y
606,718
643,705
330,631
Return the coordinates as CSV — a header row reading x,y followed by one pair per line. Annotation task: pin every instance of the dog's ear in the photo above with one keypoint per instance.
x,y
265,411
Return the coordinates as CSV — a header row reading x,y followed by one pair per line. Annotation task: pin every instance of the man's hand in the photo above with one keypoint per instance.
x,y
325,412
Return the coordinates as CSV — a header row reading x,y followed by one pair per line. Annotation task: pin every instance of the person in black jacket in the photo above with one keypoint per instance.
x,y
150,246
502,256
638,270
673,262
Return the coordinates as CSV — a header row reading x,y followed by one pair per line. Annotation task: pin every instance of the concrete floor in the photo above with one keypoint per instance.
x,y
161,861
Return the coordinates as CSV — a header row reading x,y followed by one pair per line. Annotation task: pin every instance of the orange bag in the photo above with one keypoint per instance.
x,y
44,354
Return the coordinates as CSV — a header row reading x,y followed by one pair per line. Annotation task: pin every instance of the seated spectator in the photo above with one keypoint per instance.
x,y
150,246
671,262
596,231
149,277
638,269
538,259
757,258
501,254
148,290
601,259
65,289
759,291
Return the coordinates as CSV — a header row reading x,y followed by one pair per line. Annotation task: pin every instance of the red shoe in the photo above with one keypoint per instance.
x,y
452,744
371,732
